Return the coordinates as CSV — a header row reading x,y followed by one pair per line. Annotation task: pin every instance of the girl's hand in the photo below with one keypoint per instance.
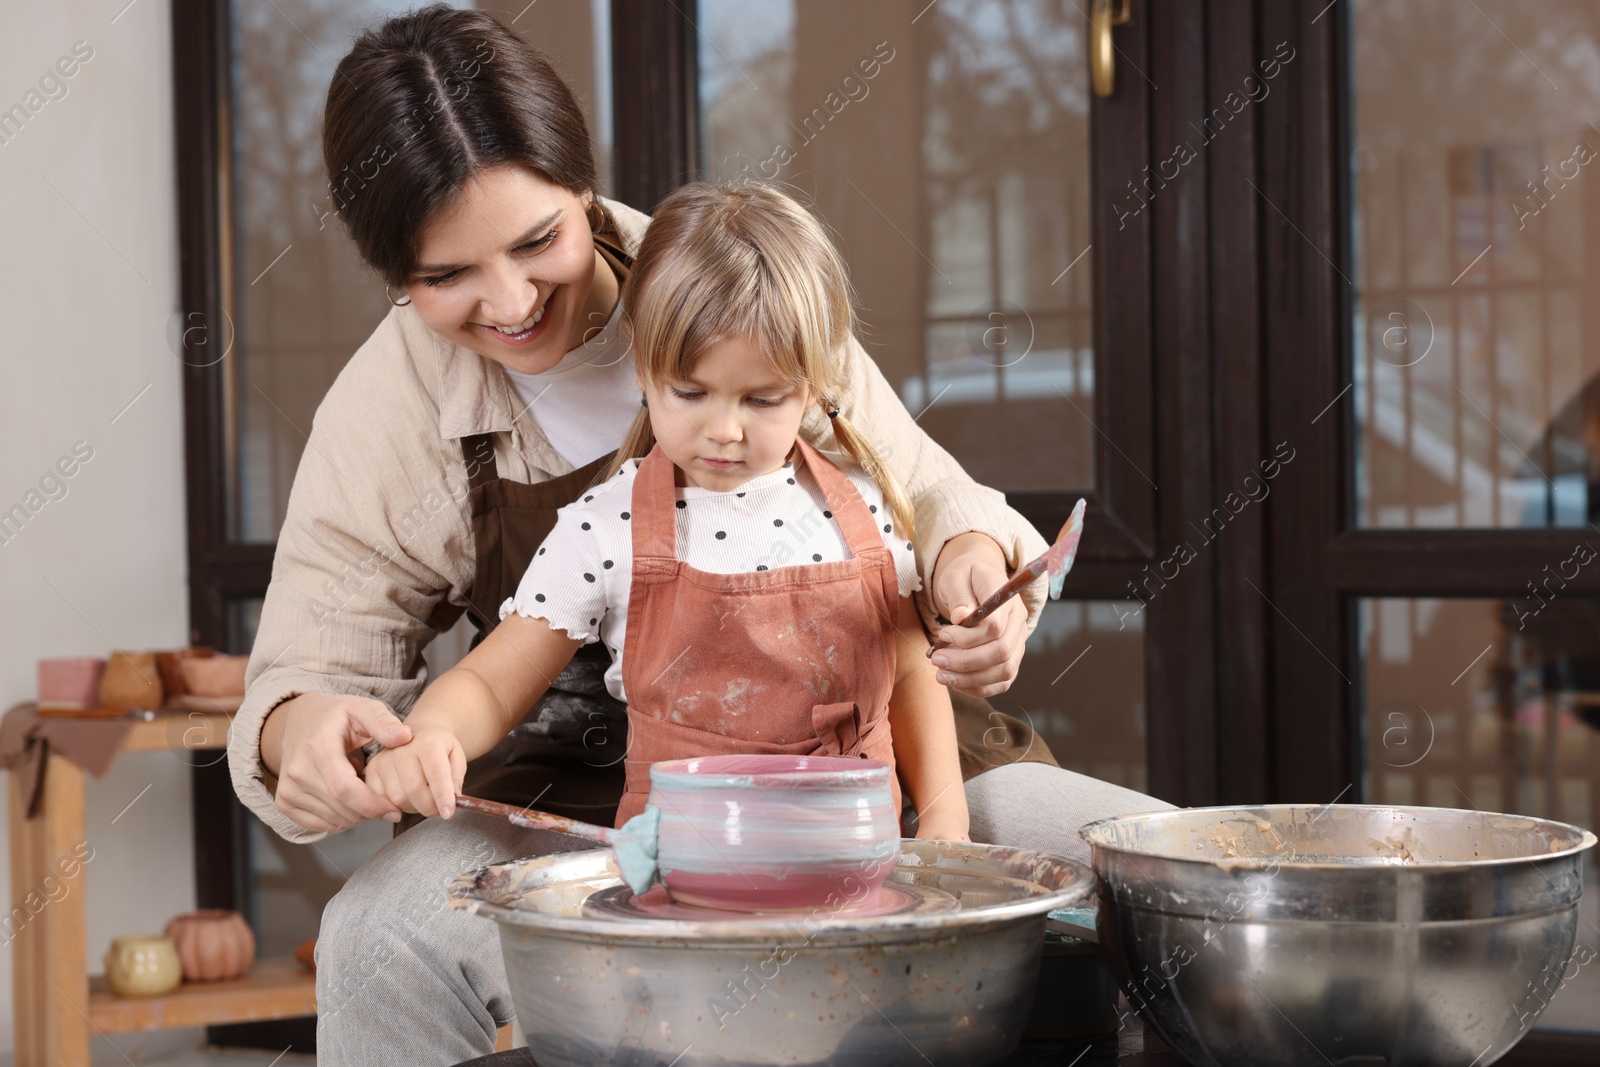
x,y
983,660
423,776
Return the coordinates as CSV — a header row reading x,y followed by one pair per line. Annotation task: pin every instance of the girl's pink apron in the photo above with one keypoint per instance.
x,y
791,661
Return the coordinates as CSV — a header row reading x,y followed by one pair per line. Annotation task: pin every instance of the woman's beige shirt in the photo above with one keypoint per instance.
x,y
376,554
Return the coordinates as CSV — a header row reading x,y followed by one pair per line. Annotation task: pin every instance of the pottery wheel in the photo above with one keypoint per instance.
x,y
892,898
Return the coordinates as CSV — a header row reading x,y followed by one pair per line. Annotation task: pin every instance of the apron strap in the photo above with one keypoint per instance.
x,y
655,523
849,510
856,523
655,531
478,451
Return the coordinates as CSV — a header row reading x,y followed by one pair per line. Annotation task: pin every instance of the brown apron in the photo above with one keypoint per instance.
x,y
797,661
566,754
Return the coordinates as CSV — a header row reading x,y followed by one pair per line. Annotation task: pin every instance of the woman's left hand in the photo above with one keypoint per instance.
x,y
983,660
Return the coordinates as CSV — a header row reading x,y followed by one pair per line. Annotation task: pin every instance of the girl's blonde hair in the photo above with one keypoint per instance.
x,y
746,261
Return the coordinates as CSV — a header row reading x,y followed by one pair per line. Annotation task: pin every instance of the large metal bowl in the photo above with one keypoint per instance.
x,y
952,987
1345,935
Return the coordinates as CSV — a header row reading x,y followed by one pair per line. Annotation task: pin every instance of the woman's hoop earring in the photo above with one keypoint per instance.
x,y
596,216
397,303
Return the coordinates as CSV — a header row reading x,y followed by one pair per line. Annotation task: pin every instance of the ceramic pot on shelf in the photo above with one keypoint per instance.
x,y
131,680
170,664
71,682
142,965
213,944
215,676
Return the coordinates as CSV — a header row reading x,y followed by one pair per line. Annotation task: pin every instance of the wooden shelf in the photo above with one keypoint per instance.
x,y
173,730
195,731
274,988
54,1003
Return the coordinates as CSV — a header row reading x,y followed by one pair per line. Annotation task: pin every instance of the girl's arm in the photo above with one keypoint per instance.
x,y
924,731
468,711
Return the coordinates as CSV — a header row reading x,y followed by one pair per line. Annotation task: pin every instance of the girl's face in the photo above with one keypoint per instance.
x,y
732,420
509,270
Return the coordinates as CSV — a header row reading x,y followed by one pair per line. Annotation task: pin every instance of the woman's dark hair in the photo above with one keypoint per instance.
x,y
423,102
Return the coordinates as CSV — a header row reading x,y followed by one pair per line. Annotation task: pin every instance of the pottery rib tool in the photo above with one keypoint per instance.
x,y
1056,562
634,844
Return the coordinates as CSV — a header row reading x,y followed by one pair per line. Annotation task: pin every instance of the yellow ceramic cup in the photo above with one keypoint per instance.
x,y
143,965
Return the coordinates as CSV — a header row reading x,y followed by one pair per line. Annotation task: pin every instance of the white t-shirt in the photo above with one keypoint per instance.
x,y
581,576
585,403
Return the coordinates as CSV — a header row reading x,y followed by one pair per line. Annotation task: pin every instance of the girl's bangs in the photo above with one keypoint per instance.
x,y
733,299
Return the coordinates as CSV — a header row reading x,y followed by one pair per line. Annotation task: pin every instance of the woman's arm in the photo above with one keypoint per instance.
x,y
468,711
924,732
330,673
375,547
969,541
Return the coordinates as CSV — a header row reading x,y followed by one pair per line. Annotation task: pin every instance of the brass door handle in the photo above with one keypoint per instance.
x,y
1104,14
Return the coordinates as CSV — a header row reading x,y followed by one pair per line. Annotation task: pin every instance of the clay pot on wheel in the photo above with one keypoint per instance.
x,y
213,944
774,832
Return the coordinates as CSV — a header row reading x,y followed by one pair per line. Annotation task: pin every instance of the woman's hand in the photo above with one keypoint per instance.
x,y
312,742
983,660
423,776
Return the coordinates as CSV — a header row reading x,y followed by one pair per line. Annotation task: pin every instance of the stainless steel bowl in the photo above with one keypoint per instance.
x,y
950,986
1345,935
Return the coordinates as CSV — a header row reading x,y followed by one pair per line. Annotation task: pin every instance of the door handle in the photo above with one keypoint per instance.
x,y
1104,14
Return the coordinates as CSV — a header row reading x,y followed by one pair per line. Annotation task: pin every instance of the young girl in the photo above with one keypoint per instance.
x,y
754,596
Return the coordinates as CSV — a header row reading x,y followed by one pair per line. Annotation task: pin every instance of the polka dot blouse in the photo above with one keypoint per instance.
x,y
580,577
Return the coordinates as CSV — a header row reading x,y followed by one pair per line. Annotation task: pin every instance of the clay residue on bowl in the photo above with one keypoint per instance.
x,y
1227,840
510,885
1396,846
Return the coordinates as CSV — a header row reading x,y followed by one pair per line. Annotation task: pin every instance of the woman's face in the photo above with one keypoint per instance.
x,y
508,270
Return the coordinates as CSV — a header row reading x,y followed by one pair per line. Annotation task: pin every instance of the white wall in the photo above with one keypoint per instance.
x,y
88,282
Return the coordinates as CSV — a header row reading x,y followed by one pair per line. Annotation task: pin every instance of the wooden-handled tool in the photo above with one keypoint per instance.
x,y
1056,562
633,844
529,819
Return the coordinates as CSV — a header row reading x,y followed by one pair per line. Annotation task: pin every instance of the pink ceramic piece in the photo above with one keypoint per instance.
x,y
774,833
70,683
215,676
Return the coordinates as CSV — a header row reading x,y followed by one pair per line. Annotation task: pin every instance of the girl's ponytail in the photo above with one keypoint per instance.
x,y
858,448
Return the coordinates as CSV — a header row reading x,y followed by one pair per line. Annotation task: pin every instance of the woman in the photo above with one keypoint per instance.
x,y
494,393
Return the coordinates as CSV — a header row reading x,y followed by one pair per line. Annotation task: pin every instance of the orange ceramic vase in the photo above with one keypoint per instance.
x,y
213,944
131,680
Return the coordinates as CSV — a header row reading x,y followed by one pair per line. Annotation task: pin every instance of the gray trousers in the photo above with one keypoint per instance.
x,y
402,979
